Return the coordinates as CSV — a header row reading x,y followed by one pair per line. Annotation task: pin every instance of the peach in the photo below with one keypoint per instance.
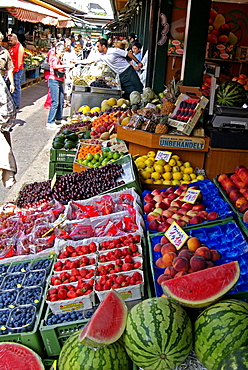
x,y
160,263
231,188
170,271
243,207
185,253
193,243
180,264
157,247
168,247
204,252
164,239
215,255
162,278
168,258
221,177
196,220
197,263
209,264
240,201
245,217
148,197
180,273
163,227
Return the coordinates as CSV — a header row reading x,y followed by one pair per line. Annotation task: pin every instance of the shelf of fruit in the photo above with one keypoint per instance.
x,y
31,60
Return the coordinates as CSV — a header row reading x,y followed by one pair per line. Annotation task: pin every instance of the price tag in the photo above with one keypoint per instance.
x,y
191,195
23,270
120,146
163,155
176,235
53,182
11,306
54,366
3,328
36,301
19,285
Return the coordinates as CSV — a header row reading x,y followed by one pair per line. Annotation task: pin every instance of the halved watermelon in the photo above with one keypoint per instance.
x,y
15,356
201,288
107,324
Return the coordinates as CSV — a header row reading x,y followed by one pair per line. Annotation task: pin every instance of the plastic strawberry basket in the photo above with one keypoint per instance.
x,y
226,237
211,198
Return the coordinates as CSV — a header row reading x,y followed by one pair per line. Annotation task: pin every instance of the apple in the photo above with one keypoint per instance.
x,y
234,177
158,198
163,227
243,207
167,201
149,207
233,193
196,220
198,207
188,206
238,168
176,203
178,191
230,188
161,205
172,196
167,213
170,220
181,223
162,218
156,192
152,216
183,186
163,193
245,217
221,177
169,190
226,182
173,209
203,214
153,225
148,197
236,197
212,216
243,190
158,210
186,218
176,216
191,213
182,211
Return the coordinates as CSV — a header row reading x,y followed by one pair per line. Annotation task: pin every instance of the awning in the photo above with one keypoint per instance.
x,y
29,12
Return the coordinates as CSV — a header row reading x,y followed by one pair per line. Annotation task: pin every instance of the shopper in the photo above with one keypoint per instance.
x,y
55,83
50,53
115,58
88,45
132,38
6,66
136,50
81,41
69,56
17,55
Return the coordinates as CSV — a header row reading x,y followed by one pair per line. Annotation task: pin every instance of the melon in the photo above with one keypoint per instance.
x,y
158,334
203,287
220,329
230,93
76,356
235,360
15,356
108,322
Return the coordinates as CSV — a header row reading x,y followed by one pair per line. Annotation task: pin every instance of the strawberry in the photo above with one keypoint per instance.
x,y
127,266
128,259
62,294
92,247
71,294
137,265
69,249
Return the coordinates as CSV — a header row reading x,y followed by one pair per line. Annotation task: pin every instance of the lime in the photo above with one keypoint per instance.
x,y
116,155
104,162
121,154
110,155
89,156
101,159
93,161
85,162
97,164
96,156
105,153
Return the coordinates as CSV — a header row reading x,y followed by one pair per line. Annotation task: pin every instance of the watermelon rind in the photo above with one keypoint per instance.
x,y
220,329
212,284
230,93
76,356
158,334
16,356
235,360
108,322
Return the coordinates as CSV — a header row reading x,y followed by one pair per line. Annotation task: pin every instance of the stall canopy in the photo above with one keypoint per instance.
x,y
28,12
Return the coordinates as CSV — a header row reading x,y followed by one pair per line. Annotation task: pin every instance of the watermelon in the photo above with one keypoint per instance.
x,y
15,356
230,93
107,324
219,329
203,287
235,360
76,356
158,334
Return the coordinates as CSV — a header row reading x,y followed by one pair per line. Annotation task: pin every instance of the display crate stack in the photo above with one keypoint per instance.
x,y
61,161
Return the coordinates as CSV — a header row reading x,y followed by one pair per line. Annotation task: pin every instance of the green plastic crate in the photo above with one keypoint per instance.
x,y
62,155
59,168
48,362
242,226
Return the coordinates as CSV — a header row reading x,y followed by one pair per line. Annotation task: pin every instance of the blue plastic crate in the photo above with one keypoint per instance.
x,y
226,237
33,73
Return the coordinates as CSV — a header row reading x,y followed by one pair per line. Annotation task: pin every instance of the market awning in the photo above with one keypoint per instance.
x,y
29,12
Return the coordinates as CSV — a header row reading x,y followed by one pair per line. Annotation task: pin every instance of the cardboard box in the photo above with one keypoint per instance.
x,y
192,93
175,47
242,53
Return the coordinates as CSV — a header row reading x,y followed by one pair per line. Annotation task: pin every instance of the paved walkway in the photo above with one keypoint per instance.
x,y
31,140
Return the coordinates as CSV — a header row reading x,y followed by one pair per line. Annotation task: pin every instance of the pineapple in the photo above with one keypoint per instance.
x,y
162,127
170,96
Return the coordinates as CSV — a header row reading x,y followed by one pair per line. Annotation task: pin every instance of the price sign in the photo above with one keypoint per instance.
x,y
191,195
176,235
54,365
163,155
53,182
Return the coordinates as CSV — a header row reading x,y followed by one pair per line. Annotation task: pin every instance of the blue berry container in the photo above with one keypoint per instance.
x,y
4,316
8,298
35,278
19,267
30,295
3,269
42,264
13,281
22,319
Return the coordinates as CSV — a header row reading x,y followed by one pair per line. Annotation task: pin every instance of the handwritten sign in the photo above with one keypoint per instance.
x,y
163,155
176,235
191,195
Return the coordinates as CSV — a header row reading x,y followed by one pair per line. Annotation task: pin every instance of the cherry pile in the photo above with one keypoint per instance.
x,y
73,186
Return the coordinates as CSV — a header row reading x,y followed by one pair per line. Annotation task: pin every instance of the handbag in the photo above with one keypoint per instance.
x,y
45,65
58,73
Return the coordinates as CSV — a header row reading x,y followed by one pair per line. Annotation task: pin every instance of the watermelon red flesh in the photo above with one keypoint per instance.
x,y
108,322
203,287
14,356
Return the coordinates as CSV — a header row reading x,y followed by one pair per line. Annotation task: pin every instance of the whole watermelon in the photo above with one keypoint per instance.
x,y
235,360
158,334
220,329
230,93
75,356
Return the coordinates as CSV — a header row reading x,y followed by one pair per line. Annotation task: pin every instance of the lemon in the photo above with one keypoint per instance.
x,y
200,177
155,176
192,176
182,168
157,182
166,182
187,164
175,169
149,181
194,180
158,168
177,176
149,169
151,154
167,168
145,157
139,159
167,176
140,165
148,162
176,157
185,182
179,163
175,182
172,162
161,162
186,177
145,175
188,170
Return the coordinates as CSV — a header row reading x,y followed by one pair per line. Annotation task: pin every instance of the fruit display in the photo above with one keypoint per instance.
x,y
99,158
220,329
158,334
67,140
20,357
219,31
160,172
31,59
105,124
235,187
75,355
107,324
169,97
186,291
186,110
165,206
242,79
230,93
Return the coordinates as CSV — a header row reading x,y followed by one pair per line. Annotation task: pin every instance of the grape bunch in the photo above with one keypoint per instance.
x,y
100,83
22,319
73,126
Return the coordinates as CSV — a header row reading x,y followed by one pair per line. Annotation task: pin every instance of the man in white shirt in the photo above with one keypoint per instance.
x,y
115,58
